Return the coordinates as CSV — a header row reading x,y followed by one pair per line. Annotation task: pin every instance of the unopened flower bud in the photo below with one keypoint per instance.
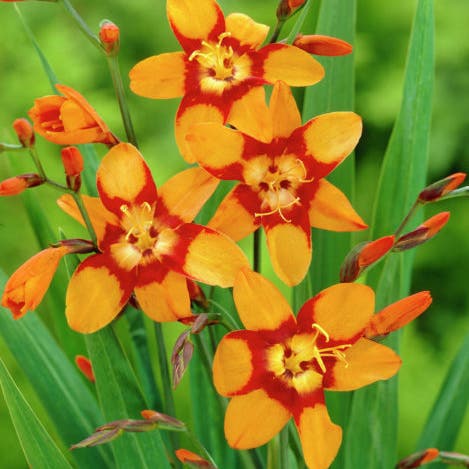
x,y
99,438
322,45
109,36
73,165
192,459
426,231
418,459
440,188
76,245
163,420
362,256
287,7
84,365
24,131
196,294
18,184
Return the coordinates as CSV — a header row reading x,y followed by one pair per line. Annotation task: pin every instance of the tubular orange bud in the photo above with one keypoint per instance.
x,y
192,459
162,419
18,184
27,286
196,294
288,7
424,232
76,245
322,45
24,131
418,459
109,36
438,189
398,314
363,255
73,165
84,365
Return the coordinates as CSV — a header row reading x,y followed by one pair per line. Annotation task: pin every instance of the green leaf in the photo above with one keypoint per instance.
x,y
121,397
373,416
38,447
445,420
58,384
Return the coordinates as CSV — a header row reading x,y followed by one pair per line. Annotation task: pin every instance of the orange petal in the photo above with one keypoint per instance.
x,y
189,114
285,115
260,304
330,138
253,419
106,294
331,210
232,365
209,256
250,115
165,301
26,288
290,251
123,178
398,314
231,209
342,310
320,438
215,147
159,77
99,216
193,21
365,362
185,193
291,65
246,30
322,45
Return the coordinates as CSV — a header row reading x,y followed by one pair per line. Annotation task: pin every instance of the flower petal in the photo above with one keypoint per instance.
x,y
164,301
190,113
159,77
320,438
285,114
290,251
331,210
343,311
260,304
250,115
194,21
207,255
233,207
365,362
253,419
107,293
290,64
185,193
217,148
124,178
326,141
246,30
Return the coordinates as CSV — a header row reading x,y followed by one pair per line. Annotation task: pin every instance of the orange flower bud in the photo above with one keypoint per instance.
x,y
163,420
69,119
24,131
288,7
418,459
109,36
73,165
424,232
196,294
362,256
18,184
398,314
322,45
27,286
84,365
440,188
194,460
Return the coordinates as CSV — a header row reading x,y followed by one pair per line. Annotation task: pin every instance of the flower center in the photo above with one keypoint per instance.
x,y
300,363
278,187
138,224
218,58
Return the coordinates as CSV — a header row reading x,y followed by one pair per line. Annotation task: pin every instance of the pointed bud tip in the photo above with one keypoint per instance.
x,y
84,365
322,45
24,131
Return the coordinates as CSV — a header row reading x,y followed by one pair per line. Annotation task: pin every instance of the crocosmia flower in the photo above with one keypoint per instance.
x,y
147,244
280,366
69,119
222,67
282,183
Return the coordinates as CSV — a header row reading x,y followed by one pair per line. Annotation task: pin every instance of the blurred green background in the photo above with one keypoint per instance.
x,y
383,29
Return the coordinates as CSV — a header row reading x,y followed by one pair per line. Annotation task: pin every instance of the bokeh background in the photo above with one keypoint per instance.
x,y
383,30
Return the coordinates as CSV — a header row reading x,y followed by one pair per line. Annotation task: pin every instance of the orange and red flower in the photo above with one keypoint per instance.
x,y
69,119
222,68
148,245
280,366
282,183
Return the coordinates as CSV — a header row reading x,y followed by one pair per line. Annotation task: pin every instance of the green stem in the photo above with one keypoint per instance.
x,y
407,218
234,325
201,448
256,251
273,450
37,162
82,25
116,76
10,147
276,33
284,445
84,213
